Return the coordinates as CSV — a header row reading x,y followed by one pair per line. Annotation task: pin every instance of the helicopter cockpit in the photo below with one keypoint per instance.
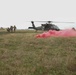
x,y
50,27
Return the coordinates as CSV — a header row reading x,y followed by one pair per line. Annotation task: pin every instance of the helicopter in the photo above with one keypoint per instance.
x,y
47,26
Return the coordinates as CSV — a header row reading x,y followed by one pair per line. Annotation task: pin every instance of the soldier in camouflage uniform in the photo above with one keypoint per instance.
x,y
73,28
11,28
8,29
14,28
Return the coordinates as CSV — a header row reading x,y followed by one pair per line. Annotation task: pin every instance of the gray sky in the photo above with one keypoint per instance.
x,y
18,12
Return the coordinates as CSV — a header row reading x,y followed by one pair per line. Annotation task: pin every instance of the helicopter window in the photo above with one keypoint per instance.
x,y
55,27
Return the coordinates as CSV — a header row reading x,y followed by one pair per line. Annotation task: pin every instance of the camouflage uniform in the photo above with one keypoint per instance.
x,y
8,29
11,28
14,28
73,28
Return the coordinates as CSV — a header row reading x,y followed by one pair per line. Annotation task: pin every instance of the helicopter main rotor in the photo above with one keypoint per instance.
x,y
52,22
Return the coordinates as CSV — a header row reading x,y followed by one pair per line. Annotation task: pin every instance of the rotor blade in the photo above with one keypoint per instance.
x,y
52,21
44,21
62,22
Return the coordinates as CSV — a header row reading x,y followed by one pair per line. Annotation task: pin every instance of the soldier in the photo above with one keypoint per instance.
x,y
8,29
14,28
73,28
11,28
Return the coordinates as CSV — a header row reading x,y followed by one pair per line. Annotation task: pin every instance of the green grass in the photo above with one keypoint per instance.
x,y
21,53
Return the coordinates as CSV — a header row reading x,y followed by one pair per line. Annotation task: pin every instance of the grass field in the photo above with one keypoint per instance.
x,y
23,54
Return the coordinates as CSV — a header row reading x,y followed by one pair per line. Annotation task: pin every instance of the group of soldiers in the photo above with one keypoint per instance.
x,y
11,29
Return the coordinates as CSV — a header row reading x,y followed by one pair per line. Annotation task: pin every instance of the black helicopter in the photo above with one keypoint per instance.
x,y
47,26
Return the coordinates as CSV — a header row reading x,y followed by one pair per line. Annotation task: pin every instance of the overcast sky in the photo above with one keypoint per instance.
x,y
18,12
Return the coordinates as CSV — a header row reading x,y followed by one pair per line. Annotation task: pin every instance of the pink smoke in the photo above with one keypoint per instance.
x,y
53,33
